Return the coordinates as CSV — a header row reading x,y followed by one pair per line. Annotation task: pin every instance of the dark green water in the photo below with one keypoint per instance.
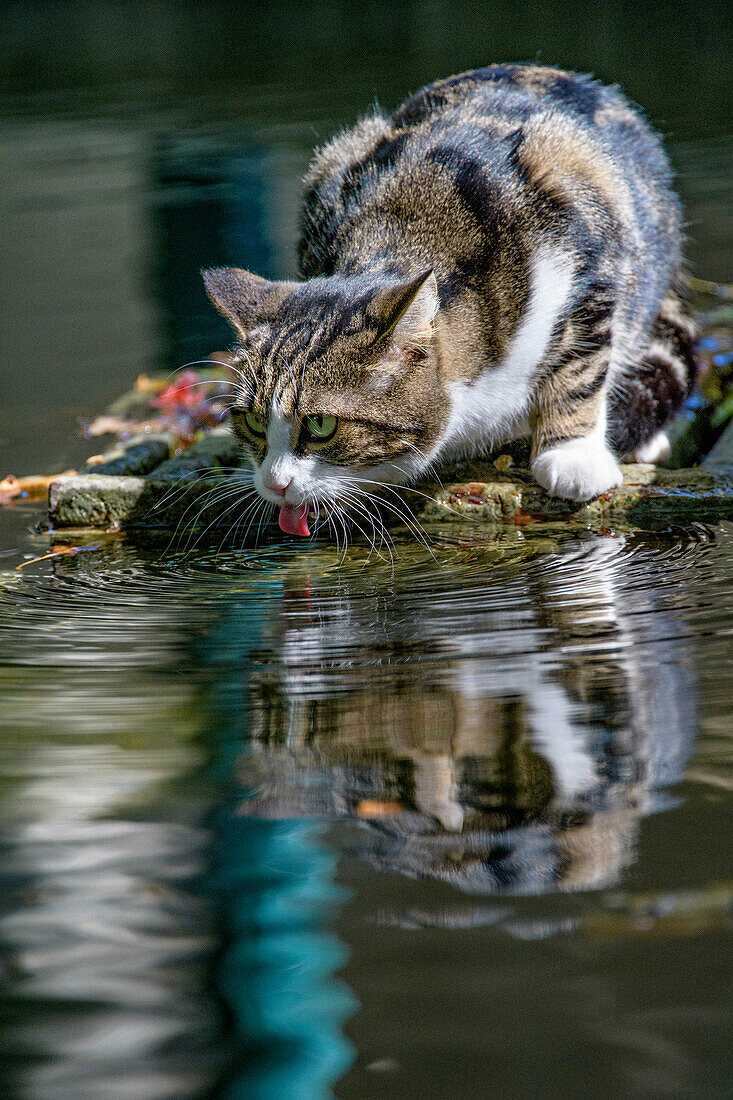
x,y
279,826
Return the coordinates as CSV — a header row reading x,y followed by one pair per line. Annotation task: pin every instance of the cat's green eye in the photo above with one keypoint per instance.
x,y
320,427
255,425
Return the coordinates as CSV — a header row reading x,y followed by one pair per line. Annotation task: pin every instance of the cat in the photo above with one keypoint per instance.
x,y
499,258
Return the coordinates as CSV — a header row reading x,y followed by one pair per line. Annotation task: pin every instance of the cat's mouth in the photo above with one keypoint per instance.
x,y
293,519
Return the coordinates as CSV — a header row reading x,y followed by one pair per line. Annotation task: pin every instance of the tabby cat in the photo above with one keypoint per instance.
x,y
499,258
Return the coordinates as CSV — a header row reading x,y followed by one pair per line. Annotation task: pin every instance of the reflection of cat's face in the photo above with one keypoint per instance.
x,y
338,395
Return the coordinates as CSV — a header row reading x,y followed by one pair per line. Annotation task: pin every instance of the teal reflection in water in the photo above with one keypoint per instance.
x,y
276,975
274,883
155,942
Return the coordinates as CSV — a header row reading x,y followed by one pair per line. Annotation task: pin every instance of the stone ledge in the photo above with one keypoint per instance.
x,y
136,456
649,497
181,495
93,500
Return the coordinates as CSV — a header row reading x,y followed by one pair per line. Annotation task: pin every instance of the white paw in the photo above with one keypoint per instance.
x,y
579,470
656,449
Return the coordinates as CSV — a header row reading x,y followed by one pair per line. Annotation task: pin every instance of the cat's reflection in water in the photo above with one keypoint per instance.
x,y
501,738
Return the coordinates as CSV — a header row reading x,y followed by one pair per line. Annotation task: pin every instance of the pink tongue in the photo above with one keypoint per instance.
x,y
293,520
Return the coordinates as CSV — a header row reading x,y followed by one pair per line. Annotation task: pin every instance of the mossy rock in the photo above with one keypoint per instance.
x,y
649,498
180,495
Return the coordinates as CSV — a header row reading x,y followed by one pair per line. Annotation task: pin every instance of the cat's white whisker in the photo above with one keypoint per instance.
x,y
183,483
357,505
339,515
408,519
238,498
216,484
370,539
258,507
212,497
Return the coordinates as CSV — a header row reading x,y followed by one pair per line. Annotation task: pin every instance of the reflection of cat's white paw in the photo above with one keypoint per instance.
x,y
579,470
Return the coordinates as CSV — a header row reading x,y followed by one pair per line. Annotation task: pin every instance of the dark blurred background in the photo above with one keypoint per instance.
x,y
142,141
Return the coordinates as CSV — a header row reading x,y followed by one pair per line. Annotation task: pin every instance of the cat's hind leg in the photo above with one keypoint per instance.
x,y
570,453
654,390
656,449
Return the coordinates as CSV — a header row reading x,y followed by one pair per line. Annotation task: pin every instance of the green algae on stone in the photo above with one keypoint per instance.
x,y
101,499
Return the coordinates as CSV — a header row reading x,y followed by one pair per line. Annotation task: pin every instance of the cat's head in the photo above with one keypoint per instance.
x,y
339,390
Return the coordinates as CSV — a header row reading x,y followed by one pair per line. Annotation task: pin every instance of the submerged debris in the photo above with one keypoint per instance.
x,y
57,551
34,487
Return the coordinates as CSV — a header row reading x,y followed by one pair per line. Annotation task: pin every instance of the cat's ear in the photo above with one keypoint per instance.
x,y
238,295
407,312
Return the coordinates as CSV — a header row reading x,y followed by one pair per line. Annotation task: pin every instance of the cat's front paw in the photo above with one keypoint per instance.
x,y
579,470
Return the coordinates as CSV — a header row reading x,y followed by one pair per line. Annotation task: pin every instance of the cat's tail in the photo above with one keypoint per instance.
x,y
658,385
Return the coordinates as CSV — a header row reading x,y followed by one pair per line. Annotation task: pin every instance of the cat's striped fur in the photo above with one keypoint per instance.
x,y
499,257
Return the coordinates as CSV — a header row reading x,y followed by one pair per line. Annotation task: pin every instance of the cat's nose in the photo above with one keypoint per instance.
x,y
276,485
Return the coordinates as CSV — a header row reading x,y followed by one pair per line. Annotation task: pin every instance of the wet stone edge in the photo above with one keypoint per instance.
x,y
138,487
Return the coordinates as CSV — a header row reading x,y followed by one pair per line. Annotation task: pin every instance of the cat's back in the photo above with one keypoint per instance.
x,y
511,143
560,123
516,93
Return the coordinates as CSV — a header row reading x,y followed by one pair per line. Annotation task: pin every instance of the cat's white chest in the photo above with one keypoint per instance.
x,y
495,407
484,415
